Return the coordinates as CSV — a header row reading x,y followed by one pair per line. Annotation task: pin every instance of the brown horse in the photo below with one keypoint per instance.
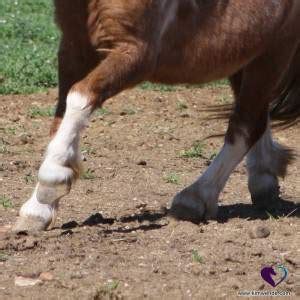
x,y
108,46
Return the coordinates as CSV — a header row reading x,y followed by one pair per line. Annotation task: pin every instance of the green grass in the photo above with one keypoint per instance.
x,y
172,178
29,179
158,87
29,40
88,175
3,256
5,202
196,257
36,112
197,150
181,106
3,147
102,112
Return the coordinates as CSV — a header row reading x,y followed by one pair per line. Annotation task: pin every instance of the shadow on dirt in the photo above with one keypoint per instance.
x,y
151,217
283,208
150,220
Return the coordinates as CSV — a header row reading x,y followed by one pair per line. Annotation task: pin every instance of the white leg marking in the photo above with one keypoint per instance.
x,y
201,198
35,208
58,169
215,177
62,156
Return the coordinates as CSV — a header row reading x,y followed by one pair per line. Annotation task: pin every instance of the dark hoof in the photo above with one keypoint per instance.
x,y
268,199
188,205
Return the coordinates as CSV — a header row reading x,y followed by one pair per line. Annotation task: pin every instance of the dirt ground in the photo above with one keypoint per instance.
x,y
113,238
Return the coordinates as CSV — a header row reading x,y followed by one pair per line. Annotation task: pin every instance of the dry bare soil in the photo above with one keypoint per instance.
x,y
113,238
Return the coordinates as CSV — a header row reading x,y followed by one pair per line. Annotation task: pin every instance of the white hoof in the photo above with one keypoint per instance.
x,y
34,215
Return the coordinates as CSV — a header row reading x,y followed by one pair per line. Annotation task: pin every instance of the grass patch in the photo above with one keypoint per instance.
x,y
88,175
5,202
3,149
271,217
29,40
196,257
158,87
9,130
181,105
3,256
197,150
218,84
172,178
102,112
128,112
29,179
108,291
113,285
36,111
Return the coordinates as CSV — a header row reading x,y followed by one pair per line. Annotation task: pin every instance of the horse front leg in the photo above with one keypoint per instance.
x,y
61,166
74,63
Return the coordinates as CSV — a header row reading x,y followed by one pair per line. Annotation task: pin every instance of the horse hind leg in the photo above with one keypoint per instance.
x,y
247,125
266,161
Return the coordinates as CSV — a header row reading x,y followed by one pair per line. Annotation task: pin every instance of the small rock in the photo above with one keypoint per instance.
x,y
46,276
233,283
290,281
77,275
26,281
196,270
14,119
257,253
142,163
293,260
185,115
240,273
259,232
30,243
141,206
25,139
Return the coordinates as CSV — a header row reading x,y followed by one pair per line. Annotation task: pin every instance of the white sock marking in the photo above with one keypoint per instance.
x,y
214,178
63,150
36,209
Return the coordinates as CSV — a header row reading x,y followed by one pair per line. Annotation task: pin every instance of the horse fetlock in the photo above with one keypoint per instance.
x,y
52,173
193,205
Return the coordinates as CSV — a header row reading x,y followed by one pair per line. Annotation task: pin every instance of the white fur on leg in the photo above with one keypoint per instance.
x,y
63,157
203,194
35,215
59,168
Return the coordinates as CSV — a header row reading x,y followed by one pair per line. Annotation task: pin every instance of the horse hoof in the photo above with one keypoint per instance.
x,y
266,199
189,206
29,224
